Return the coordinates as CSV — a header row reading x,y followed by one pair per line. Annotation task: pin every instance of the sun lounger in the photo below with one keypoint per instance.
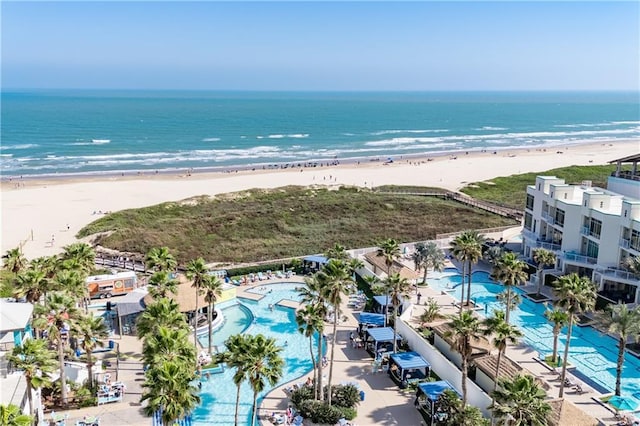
x,y
297,420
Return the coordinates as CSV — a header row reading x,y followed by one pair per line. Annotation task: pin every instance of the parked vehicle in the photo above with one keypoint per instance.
x,y
105,286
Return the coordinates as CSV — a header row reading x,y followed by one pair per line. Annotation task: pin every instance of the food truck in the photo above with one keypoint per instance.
x,y
120,283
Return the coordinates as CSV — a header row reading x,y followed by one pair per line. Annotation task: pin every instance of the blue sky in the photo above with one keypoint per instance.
x,y
322,45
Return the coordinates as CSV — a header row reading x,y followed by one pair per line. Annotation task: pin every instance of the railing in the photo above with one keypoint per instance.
x,y
529,234
624,243
548,246
579,258
618,273
547,217
585,231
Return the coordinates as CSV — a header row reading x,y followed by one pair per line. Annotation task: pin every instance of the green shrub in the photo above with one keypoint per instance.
x,y
320,412
300,395
348,413
347,396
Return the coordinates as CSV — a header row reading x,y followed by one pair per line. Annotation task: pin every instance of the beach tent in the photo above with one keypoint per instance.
x,y
380,339
426,397
315,262
408,366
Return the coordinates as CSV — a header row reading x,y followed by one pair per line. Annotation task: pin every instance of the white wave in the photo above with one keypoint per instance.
x,y
625,122
296,147
298,135
402,141
393,132
348,134
100,141
491,128
210,139
281,136
259,137
19,146
6,155
243,137
608,123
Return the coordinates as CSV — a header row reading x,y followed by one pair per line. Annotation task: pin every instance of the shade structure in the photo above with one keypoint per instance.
x,y
186,296
131,303
156,420
317,258
371,319
383,300
433,390
623,403
382,334
409,360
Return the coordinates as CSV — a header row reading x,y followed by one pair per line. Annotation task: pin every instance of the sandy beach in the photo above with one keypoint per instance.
x,y
44,215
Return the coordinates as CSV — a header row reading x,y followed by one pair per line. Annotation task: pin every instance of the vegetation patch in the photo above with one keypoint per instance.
x,y
260,225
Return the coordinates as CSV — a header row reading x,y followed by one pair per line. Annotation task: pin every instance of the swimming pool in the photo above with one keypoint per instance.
x,y
219,393
594,355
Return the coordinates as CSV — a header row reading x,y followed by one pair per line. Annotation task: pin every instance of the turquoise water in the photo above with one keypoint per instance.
x,y
66,131
593,354
219,393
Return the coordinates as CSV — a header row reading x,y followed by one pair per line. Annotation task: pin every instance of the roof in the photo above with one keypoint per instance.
x,y
131,303
14,315
382,334
378,262
433,389
371,319
508,368
186,297
119,275
316,258
382,300
479,345
635,158
406,360
565,413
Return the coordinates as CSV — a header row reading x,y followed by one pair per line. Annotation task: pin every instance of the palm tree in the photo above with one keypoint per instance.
x,y
575,294
49,265
169,344
196,272
91,329
428,255
236,357
11,415
212,288
14,261
632,264
467,248
520,401
82,254
338,280
310,322
398,288
510,271
337,252
313,293
169,389
559,319
36,361
56,319
265,366
464,328
163,312
625,322
390,251
74,284
160,259
543,257
503,333
31,284
161,284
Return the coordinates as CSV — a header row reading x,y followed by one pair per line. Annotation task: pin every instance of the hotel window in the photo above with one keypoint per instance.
x,y
625,213
565,195
527,221
529,202
595,227
592,249
559,217
601,204
635,240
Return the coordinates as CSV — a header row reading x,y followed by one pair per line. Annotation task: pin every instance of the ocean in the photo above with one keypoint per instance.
x,y
59,132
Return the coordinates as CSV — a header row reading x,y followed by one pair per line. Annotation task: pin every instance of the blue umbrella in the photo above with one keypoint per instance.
x,y
623,403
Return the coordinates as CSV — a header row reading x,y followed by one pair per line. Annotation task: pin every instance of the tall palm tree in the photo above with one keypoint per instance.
x,y
56,318
575,294
196,272
36,361
83,254
502,333
169,388
338,252
31,284
163,312
160,259
74,284
161,284
338,281
265,366
236,357
169,344
428,255
625,322
398,288
212,288
91,330
389,250
464,328
558,318
49,265
11,415
313,293
310,322
520,401
467,249
632,264
510,271
543,257
14,260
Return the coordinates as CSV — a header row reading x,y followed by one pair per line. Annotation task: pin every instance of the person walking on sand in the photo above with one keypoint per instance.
x,y
53,240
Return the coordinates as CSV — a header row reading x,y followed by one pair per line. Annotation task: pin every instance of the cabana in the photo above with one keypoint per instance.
x,y
407,367
381,302
314,262
368,320
378,340
426,398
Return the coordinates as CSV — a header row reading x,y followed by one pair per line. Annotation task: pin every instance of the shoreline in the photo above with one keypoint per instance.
x,y
43,215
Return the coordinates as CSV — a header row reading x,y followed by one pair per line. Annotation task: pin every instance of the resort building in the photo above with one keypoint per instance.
x,y
593,231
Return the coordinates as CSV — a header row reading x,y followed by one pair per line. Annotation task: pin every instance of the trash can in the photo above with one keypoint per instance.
x,y
361,395
112,344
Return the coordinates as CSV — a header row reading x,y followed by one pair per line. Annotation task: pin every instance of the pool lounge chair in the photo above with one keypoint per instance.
x,y
297,420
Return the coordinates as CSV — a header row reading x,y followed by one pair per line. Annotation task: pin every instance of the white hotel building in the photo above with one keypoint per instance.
x,y
591,230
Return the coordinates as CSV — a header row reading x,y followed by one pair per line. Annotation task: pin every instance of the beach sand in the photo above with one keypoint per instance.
x,y
44,215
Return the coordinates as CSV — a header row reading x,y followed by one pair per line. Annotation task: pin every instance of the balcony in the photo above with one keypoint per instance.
x,y
548,246
618,273
548,218
575,257
529,234
584,231
624,243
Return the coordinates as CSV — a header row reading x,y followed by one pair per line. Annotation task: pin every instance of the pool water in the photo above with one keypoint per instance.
x,y
218,393
593,354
